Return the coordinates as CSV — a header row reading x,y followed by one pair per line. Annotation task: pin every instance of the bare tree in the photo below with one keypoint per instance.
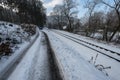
x,y
69,12
57,15
116,7
90,5
96,22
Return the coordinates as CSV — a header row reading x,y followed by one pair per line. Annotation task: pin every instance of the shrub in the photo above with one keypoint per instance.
x,y
5,48
29,28
11,25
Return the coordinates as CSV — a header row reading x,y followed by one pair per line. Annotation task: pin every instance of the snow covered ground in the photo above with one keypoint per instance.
x,y
34,65
12,31
6,61
75,67
74,60
25,66
107,46
105,52
8,30
87,53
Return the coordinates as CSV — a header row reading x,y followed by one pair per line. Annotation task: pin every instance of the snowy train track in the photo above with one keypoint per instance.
x,y
74,66
32,59
55,65
9,68
112,54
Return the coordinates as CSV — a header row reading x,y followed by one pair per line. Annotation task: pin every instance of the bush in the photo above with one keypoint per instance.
x,y
11,25
5,48
29,28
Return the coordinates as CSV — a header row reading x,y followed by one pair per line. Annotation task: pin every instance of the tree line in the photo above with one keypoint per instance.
x,y
106,22
23,11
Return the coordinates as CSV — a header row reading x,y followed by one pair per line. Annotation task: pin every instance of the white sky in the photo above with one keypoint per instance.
x,y
52,3
49,4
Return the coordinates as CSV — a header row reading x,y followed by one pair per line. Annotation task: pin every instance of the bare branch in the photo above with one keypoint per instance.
x,y
115,2
107,4
118,4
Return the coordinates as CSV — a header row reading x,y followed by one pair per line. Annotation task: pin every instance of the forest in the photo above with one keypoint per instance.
x,y
23,11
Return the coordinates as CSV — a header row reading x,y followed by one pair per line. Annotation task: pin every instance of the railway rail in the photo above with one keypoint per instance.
x,y
55,65
85,43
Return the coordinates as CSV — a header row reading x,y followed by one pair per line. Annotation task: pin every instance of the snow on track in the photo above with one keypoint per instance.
x,y
87,39
115,55
87,53
41,70
37,64
23,70
74,65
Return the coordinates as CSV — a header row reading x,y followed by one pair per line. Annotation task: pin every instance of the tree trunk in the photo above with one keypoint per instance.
x,y
105,37
70,27
118,27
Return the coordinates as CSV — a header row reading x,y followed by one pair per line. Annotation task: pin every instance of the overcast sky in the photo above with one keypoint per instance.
x,y
49,4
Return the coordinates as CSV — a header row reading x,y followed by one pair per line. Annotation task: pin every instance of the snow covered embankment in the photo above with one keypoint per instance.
x,y
74,66
9,62
25,68
37,63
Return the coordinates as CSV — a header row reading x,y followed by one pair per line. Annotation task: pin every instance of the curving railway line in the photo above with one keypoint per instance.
x,y
54,65
57,72
92,46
